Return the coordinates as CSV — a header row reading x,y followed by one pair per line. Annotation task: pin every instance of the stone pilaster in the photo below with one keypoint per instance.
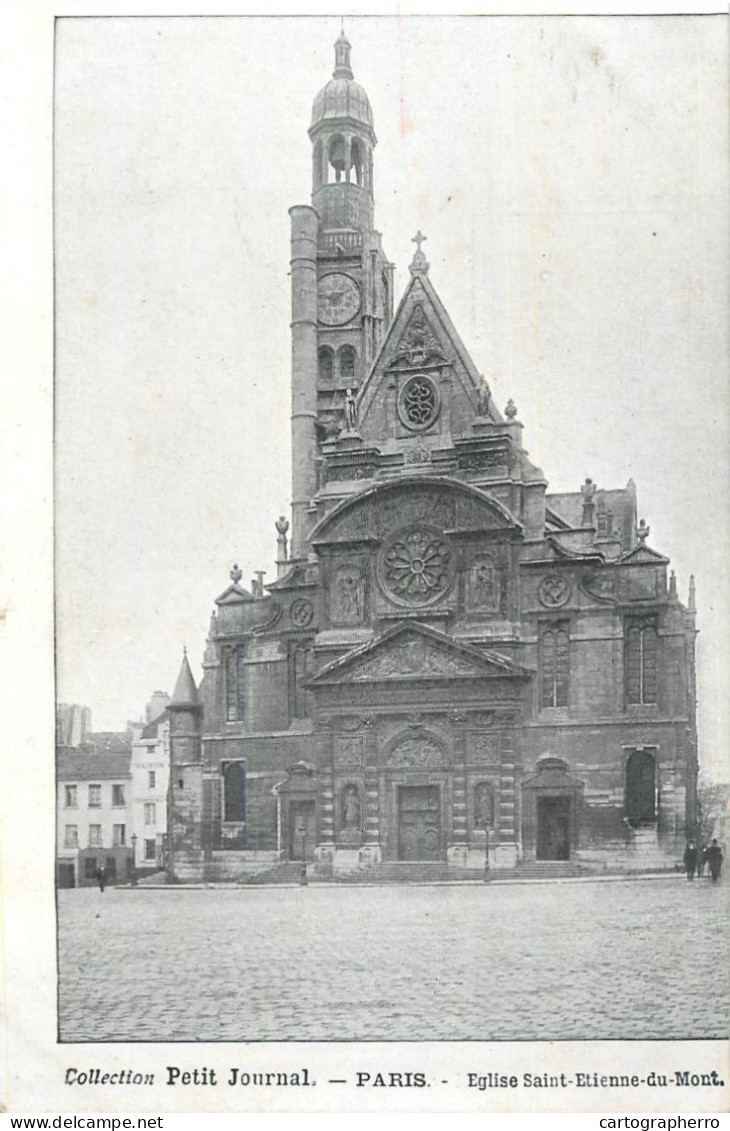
x,y
458,801
505,852
326,787
372,792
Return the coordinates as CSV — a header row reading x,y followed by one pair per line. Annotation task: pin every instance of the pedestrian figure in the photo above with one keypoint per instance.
x,y
690,859
701,859
101,877
714,860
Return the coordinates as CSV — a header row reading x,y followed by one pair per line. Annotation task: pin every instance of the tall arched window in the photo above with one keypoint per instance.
x,y
300,667
641,651
554,665
347,358
326,363
234,792
233,674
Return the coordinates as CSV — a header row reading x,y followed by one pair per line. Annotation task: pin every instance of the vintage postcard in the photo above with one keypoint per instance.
x,y
390,579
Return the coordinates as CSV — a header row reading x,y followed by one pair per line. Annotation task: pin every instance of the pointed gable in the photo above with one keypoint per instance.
x,y
643,555
421,340
412,651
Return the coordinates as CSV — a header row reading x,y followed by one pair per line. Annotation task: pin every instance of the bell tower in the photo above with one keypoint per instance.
x,y
342,282
343,140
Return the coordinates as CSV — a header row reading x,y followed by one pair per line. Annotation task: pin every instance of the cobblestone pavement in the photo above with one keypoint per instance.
x,y
523,962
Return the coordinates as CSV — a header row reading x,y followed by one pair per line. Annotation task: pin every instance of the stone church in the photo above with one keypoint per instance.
x,y
454,667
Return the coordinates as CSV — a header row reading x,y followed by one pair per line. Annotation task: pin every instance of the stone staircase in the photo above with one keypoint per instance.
x,y
284,872
546,870
405,872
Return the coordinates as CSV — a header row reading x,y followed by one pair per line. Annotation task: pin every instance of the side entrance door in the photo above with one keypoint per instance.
x,y
553,828
419,823
302,830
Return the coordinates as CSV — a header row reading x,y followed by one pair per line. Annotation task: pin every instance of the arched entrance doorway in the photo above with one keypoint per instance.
x,y
416,767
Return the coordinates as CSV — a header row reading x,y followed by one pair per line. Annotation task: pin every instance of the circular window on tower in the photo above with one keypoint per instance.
x,y
418,403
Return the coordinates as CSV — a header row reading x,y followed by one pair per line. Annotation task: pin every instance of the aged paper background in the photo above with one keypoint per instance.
x,y
650,367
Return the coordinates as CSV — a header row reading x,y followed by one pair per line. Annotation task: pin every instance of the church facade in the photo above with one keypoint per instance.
x,y
453,665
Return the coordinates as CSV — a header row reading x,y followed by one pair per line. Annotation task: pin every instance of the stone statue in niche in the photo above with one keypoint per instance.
x,y
483,805
485,588
348,597
350,808
350,831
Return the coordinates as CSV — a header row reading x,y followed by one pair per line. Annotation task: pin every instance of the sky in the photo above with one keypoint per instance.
x,y
570,175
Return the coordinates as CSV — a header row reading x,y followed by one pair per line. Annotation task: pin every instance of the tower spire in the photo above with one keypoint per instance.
x,y
342,70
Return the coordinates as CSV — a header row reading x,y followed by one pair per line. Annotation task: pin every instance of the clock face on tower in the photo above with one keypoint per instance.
x,y
338,299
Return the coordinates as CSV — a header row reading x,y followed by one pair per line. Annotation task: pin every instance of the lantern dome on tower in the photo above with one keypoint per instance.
x,y
342,97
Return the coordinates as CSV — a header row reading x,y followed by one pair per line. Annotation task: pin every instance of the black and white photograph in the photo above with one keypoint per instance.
x,y
390,432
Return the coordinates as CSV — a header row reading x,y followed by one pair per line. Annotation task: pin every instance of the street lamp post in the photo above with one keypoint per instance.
x,y
487,869
303,877
134,860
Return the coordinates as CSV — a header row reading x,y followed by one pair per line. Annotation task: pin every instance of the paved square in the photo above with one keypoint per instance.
x,y
557,961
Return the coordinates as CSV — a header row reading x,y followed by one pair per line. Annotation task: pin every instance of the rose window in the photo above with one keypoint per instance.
x,y
417,567
418,403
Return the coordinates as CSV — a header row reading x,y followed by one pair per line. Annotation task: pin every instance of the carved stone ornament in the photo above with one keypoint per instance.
x,y
482,718
484,747
411,656
416,753
404,509
417,566
301,612
601,584
418,454
554,591
349,751
418,403
418,344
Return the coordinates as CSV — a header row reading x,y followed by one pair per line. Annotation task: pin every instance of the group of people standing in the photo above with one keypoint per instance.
x,y
696,858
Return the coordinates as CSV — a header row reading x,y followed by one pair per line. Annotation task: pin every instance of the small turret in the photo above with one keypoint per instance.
x,y
185,717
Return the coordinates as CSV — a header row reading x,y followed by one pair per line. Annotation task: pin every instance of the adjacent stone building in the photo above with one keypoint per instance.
x,y
93,812
452,659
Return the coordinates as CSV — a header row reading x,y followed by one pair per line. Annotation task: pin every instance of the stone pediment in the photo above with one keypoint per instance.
x,y
643,555
414,652
374,514
234,595
300,576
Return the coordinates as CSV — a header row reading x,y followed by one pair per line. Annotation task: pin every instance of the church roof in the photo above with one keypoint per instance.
x,y
185,693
